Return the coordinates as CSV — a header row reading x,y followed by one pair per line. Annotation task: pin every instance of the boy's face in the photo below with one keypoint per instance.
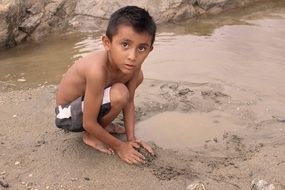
x,y
128,48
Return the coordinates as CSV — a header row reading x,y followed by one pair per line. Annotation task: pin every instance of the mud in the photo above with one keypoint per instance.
x,y
29,140
148,157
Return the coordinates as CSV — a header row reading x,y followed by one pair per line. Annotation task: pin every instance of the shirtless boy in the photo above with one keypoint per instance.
x,y
96,88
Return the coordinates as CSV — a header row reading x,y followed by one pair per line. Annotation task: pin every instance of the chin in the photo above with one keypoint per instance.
x,y
128,71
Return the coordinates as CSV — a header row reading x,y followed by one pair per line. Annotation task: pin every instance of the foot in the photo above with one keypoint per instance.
x,y
95,143
112,128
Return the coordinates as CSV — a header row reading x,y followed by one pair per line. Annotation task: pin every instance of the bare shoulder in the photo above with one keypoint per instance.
x,y
88,61
93,65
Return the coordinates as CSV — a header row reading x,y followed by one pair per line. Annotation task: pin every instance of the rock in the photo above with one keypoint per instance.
x,y
257,184
31,23
207,4
3,24
42,30
93,14
36,6
19,36
31,19
184,91
74,179
17,163
3,183
21,80
196,186
3,173
215,10
87,178
34,19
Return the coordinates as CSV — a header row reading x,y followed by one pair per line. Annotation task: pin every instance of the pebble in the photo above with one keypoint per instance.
x,y
3,173
3,183
184,91
261,185
30,175
14,116
22,80
87,178
196,186
74,179
17,163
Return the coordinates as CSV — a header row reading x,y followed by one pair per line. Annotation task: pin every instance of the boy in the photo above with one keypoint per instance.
x,y
97,87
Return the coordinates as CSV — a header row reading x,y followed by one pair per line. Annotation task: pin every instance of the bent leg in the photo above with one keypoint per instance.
x,y
119,96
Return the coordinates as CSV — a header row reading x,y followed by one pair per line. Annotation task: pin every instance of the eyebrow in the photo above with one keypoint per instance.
x,y
143,44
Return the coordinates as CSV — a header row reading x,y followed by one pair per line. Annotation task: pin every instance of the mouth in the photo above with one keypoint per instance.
x,y
129,66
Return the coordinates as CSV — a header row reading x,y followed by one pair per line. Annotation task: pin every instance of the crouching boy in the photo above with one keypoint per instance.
x,y
96,88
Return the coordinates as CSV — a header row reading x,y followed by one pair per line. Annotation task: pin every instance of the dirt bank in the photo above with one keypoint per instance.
x,y
36,155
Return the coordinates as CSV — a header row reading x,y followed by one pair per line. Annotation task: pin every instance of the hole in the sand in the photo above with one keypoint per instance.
x,y
175,130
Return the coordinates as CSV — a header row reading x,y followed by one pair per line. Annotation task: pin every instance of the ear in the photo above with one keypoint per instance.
x,y
106,42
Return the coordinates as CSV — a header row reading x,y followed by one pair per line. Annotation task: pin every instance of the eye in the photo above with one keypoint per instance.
x,y
125,44
142,49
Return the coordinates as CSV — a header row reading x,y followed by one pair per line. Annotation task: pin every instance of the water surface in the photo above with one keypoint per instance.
x,y
243,46
175,130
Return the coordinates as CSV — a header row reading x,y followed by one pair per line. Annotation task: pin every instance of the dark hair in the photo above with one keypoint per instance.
x,y
133,16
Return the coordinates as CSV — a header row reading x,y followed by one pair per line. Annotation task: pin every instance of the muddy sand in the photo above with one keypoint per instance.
x,y
36,155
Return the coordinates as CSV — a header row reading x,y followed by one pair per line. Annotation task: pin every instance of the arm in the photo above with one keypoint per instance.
x,y
129,110
95,82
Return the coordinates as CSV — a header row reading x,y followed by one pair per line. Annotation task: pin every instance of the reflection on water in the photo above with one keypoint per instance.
x,y
232,47
87,45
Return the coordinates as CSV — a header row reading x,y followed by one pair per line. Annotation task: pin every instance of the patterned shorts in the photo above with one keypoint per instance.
x,y
70,116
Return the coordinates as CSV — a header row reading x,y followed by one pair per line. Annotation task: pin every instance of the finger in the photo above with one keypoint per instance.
x,y
148,148
136,160
111,150
135,144
128,161
137,154
138,141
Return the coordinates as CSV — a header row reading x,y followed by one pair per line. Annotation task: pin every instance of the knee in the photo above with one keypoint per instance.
x,y
119,94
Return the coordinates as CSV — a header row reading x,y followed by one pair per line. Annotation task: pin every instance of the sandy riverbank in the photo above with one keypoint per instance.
x,y
36,155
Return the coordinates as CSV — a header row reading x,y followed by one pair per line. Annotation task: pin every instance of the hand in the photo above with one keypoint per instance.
x,y
128,153
146,146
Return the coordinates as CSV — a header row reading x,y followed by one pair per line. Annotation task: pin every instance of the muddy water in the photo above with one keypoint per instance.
x,y
175,130
243,47
35,64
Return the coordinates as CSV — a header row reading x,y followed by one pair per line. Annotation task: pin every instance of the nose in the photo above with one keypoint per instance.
x,y
132,55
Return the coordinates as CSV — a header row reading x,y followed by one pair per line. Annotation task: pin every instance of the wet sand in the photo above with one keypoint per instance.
x,y
36,155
